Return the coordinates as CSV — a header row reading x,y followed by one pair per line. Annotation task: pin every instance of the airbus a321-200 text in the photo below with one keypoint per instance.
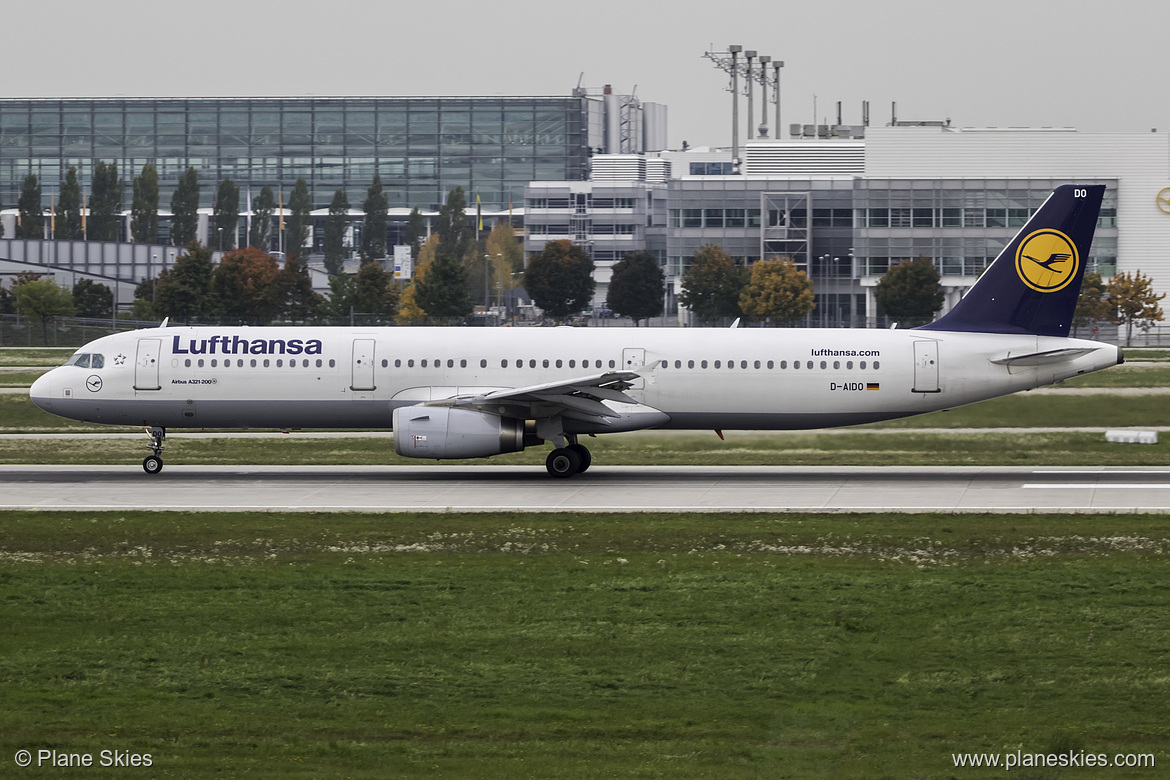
x,y
478,392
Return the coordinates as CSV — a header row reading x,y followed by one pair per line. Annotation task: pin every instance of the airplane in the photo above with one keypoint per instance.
x,y
479,392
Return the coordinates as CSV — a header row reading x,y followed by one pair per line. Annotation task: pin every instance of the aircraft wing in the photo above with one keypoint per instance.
x,y
580,398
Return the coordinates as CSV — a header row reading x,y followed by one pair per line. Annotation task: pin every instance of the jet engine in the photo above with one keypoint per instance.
x,y
442,432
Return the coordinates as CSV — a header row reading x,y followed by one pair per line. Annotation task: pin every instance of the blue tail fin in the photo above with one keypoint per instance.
x,y
1032,287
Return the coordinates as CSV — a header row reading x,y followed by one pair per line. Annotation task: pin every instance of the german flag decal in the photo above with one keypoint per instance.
x,y
872,386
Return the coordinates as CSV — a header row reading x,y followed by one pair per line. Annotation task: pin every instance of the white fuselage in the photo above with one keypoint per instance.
x,y
693,378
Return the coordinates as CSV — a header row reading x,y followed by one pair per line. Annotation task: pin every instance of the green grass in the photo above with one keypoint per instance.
x,y
670,646
35,356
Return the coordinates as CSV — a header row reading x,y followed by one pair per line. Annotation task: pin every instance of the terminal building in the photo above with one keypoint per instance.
x,y
847,206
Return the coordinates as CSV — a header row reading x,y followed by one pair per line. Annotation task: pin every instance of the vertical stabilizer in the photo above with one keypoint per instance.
x,y
1032,287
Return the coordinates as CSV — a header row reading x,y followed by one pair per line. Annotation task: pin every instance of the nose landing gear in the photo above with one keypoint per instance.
x,y
153,464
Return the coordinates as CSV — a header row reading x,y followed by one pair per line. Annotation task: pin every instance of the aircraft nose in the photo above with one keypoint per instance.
x,y
41,392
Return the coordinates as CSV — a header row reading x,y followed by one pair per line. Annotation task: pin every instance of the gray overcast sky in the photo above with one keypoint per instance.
x,y
1097,65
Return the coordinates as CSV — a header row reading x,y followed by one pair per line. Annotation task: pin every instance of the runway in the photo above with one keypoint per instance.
x,y
431,488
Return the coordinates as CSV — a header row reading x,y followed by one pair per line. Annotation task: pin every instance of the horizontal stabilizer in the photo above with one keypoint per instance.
x,y
1043,358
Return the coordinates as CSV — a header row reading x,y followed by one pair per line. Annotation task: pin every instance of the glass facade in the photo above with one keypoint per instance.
x,y
420,147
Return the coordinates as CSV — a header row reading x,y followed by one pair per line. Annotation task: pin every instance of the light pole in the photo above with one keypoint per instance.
x,y
776,66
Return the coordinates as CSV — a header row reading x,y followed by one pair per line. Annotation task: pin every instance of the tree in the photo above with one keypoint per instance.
x,y
185,209
30,221
92,299
292,292
376,206
227,214
454,232
507,256
375,293
242,286
43,299
416,230
409,310
910,292
1093,303
341,305
637,287
1132,298
144,208
299,219
335,225
263,207
712,285
68,221
183,292
560,279
442,294
105,203
778,292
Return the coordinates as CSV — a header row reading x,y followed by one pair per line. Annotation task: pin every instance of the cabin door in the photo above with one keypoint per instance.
x,y
362,365
926,367
146,365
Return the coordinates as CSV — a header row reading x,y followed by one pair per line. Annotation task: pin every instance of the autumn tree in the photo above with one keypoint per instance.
x,y
376,207
105,203
299,221
242,286
92,299
778,293
30,222
416,232
335,225
712,285
637,287
227,214
1133,302
1093,302
409,310
185,209
68,227
910,292
263,207
560,279
144,206
506,254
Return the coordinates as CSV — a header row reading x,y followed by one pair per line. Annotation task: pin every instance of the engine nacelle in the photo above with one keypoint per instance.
x,y
444,432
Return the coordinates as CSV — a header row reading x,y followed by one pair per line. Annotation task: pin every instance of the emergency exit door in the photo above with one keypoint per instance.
x,y
362,365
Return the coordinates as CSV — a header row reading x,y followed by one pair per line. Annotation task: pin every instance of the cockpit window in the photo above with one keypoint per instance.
x,y
87,360
97,361
81,361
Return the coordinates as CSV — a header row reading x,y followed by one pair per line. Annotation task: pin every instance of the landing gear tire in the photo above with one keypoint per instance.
x,y
563,462
152,464
583,455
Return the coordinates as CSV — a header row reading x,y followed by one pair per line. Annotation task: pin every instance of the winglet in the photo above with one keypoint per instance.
x,y
1033,285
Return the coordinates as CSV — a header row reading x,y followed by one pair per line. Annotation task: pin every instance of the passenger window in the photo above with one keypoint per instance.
x,y
423,363
836,364
690,364
876,365
613,364
718,363
213,362
848,364
558,363
451,363
410,363
253,362
703,364
783,364
757,364
531,363
796,364
463,363
319,363
808,365
200,362
266,362
397,363
572,364
544,364
504,363
385,362
862,364
678,364
483,363
187,363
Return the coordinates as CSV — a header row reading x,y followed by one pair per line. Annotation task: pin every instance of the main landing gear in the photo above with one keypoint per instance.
x,y
152,464
566,461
